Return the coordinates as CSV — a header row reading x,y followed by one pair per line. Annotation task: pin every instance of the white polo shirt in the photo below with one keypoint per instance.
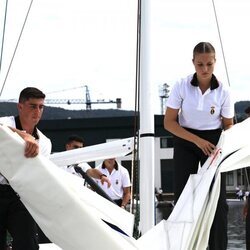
x,y
201,111
84,166
119,179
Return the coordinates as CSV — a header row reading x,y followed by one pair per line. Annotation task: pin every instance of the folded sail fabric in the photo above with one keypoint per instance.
x,y
71,215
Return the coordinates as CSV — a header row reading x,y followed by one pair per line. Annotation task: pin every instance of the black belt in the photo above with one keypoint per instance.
x,y
208,131
118,202
5,187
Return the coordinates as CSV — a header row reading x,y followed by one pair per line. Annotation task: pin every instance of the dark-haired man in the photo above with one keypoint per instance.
x,y
74,142
14,217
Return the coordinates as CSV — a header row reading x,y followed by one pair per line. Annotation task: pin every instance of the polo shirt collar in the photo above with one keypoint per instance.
x,y
213,84
19,126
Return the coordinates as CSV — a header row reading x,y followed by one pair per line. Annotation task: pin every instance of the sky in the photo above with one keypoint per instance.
x,y
69,44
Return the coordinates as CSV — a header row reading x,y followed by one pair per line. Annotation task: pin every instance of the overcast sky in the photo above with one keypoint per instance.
x,y
67,44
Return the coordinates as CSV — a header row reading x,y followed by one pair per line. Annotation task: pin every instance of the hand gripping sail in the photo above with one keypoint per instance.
x,y
71,215
189,224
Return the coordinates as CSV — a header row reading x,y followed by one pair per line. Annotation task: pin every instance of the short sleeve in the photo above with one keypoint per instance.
x,y
175,98
227,110
84,166
126,179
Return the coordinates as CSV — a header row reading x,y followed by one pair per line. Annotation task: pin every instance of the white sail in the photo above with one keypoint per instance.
x,y
74,217
71,215
189,224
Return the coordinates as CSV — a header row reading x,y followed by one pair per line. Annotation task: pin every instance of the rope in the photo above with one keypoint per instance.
x,y
19,38
4,25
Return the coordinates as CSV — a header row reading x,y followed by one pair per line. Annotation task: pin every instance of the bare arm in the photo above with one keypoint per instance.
x,y
126,196
31,145
227,123
97,174
245,209
171,124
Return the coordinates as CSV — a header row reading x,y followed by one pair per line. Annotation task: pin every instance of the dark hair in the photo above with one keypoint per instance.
x,y
104,165
75,138
30,92
247,110
203,47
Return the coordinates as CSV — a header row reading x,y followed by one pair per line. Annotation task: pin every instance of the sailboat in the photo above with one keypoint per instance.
x,y
75,217
92,230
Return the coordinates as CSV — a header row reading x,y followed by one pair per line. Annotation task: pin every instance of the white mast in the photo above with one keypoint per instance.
x,y
146,153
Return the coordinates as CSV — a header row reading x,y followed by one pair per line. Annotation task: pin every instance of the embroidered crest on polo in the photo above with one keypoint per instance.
x,y
212,110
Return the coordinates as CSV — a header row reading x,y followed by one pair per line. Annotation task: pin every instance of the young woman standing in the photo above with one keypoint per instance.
x,y
198,108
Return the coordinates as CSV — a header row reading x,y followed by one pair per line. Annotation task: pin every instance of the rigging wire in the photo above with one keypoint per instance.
x,y
221,43
222,49
4,25
225,63
14,53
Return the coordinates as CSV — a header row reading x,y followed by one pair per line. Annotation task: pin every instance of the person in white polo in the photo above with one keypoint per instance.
x,y
14,217
198,108
119,191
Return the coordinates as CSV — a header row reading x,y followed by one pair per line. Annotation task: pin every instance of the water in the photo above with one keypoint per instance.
x,y
236,224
